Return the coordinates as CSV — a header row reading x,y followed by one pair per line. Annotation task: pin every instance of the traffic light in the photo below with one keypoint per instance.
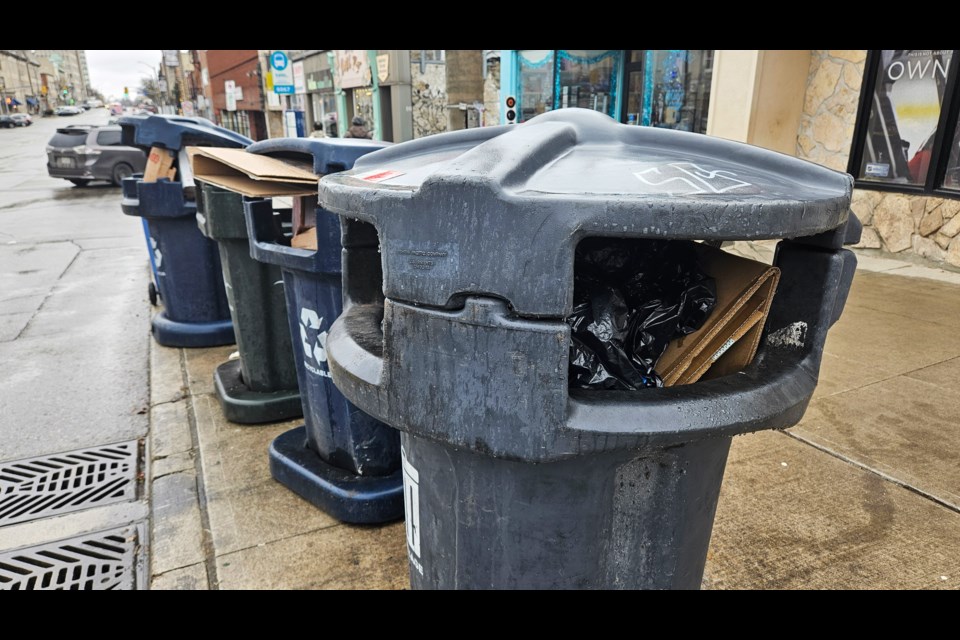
x,y
511,112
126,91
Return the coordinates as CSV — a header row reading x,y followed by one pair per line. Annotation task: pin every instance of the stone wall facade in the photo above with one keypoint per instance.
x,y
491,94
428,98
923,226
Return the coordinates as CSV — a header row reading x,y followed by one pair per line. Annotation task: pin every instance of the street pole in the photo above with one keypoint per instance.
x,y
30,80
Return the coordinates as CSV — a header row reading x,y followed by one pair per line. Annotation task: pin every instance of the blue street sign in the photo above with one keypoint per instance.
x,y
282,73
279,60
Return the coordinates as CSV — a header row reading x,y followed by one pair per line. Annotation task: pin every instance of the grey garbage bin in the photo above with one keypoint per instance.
x,y
513,479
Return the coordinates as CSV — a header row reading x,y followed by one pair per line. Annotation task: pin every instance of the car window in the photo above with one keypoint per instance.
x,y
61,139
108,138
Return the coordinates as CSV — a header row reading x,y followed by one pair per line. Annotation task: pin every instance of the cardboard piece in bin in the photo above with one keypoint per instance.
x,y
251,174
159,165
728,340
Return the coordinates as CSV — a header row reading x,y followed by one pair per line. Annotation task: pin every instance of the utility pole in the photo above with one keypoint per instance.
x,y
30,80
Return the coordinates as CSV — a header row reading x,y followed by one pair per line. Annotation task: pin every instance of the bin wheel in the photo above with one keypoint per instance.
x,y
153,294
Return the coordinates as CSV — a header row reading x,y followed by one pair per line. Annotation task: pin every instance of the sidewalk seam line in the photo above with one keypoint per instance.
x,y
284,538
209,552
881,474
896,375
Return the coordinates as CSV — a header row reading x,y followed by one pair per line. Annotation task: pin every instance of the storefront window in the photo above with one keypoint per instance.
x,y
363,107
662,88
587,79
536,83
951,179
907,136
672,91
908,90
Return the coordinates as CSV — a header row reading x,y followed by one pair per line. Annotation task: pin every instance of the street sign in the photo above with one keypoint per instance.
x,y
282,72
299,79
229,86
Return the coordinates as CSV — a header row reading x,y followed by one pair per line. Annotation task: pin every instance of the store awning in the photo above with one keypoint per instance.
x,y
13,101
32,101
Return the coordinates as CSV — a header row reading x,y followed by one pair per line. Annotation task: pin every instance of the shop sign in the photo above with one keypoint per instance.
x,y
383,67
353,68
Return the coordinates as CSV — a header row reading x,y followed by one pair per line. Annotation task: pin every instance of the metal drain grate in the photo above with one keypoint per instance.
x,y
63,482
93,562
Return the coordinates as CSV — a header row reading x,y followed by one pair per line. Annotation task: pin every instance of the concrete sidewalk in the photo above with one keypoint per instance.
x,y
863,494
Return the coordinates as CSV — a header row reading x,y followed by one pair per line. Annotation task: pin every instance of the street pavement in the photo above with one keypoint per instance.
x,y
863,494
74,337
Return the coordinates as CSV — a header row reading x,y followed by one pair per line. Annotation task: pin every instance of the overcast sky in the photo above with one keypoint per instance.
x,y
111,71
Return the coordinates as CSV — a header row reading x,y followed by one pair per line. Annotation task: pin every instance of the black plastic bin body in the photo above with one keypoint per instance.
x,y
342,460
188,270
261,385
513,480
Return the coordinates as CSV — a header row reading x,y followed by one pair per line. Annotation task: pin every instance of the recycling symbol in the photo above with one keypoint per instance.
x,y
310,320
157,256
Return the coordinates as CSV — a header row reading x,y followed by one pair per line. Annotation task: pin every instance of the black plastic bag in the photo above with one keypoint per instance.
x,y
630,299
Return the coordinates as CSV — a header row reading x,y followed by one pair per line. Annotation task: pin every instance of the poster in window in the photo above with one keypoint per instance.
x,y
904,112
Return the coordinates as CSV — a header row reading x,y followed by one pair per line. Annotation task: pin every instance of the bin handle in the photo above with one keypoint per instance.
x,y
361,366
770,393
266,241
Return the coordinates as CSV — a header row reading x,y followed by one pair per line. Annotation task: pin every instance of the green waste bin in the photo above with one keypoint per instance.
x,y
261,385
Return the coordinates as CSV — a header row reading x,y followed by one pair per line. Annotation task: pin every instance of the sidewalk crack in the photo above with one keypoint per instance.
x,y
52,289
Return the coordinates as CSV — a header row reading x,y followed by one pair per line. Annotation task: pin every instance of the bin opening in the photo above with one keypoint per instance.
x,y
362,266
282,209
363,282
651,313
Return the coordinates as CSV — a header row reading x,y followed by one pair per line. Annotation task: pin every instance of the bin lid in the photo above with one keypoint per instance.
x,y
329,154
501,211
176,132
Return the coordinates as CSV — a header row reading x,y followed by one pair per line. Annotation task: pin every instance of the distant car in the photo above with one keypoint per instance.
x,y
7,122
22,119
94,103
83,153
116,109
68,111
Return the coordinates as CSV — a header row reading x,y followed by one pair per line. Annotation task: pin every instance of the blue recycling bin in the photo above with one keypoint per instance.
x,y
341,460
186,264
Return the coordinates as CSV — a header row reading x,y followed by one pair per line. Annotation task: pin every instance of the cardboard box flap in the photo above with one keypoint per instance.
x,y
251,174
258,188
728,340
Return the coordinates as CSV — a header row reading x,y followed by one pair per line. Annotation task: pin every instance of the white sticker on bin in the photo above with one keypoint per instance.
x,y
411,506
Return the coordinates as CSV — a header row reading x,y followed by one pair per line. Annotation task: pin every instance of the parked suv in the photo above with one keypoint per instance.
x,y
81,153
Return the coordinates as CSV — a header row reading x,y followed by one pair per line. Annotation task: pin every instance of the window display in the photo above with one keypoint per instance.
x,y
588,79
536,83
676,89
904,114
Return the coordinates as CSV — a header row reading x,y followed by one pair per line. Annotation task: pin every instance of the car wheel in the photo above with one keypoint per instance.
x,y
120,171
80,182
